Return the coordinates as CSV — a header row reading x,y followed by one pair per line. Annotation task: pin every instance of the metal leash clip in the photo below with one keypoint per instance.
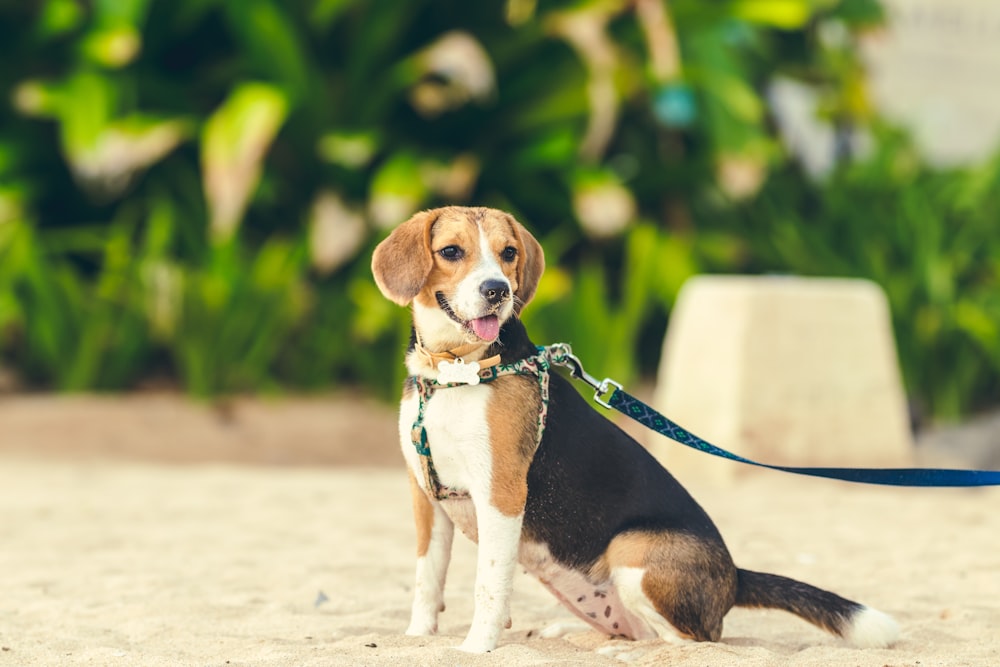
x,y
562,354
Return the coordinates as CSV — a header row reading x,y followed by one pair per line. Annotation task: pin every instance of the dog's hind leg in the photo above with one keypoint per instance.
x,y
675,587
434,536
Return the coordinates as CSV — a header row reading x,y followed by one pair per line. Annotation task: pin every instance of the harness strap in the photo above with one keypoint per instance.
x,y
537,365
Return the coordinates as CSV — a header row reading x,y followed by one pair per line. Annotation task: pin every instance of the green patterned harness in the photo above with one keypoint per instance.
x,y
538,365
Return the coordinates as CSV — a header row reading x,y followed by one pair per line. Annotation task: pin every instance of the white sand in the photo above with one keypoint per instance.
x,y
141,564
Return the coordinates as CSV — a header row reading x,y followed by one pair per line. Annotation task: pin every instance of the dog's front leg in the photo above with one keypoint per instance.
x,y
434,535
499,536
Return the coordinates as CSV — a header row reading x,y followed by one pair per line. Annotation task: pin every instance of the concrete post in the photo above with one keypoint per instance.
x,y
791,371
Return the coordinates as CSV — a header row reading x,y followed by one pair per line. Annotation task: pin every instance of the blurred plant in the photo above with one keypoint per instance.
x,y
237,312
602,315
194,187
926,236
234,140
71,333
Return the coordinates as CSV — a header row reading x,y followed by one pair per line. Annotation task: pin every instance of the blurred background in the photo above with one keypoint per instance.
x,y
190,190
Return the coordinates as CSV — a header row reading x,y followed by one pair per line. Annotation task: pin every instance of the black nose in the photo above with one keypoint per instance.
x,y
494,291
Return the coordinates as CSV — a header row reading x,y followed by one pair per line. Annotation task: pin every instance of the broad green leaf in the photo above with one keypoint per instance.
x,y
785,14
234,141
118,12
735,94
113,46
351,149
374,314
59,17
325,12
980,325
272,43
85,105
397,190
126,146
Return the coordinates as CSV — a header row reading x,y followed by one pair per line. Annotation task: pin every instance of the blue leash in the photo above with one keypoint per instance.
x,y
635,409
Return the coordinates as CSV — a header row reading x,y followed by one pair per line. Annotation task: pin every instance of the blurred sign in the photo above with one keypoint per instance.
x,y
936,70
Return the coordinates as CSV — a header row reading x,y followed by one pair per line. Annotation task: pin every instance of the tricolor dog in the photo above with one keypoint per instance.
x,y
518,460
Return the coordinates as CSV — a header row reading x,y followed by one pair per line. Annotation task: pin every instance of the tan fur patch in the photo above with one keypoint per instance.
x,y
691,583
513,419
423,515
632,549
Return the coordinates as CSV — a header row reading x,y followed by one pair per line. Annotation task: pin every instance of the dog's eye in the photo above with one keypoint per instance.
x,y
451,252
508,254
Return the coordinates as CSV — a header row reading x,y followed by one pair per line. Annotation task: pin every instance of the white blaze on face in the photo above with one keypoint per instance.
x,y
468,301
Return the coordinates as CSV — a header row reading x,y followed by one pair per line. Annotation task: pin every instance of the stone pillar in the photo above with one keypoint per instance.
x,y
790,371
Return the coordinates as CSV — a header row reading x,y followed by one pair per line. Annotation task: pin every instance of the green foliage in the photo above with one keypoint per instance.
x,y
603,327
75,334
193,188
236,314
928,237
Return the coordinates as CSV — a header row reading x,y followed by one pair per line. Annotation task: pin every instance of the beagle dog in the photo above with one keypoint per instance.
x,y
528,470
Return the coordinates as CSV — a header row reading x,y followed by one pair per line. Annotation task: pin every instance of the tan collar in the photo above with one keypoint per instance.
x,y
434,358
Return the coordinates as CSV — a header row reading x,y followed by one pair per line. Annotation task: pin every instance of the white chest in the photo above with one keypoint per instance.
x,y
457,429
458,436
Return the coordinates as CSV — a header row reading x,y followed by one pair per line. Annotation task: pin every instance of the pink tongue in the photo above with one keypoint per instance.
x,y
487,328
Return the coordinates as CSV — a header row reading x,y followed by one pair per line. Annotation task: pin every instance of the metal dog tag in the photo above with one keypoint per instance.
x,y
458,372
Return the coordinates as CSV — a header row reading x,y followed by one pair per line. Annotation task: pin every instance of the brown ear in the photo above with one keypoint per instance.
x,y
402,262
530,266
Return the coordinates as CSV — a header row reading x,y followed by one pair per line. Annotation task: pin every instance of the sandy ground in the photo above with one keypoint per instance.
x,y
112,557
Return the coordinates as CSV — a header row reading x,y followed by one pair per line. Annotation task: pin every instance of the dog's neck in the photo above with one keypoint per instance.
x,y
466,352
511,345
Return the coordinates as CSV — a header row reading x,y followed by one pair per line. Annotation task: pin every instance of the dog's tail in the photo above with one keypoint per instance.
x,y
860,625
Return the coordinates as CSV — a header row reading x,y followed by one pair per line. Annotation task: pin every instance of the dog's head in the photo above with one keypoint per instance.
x,y
465,270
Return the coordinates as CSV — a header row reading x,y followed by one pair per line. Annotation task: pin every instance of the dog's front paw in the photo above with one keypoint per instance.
x,y
421,628
477,645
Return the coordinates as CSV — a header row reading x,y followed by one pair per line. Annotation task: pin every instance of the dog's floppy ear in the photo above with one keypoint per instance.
x,y
530,265
402,262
